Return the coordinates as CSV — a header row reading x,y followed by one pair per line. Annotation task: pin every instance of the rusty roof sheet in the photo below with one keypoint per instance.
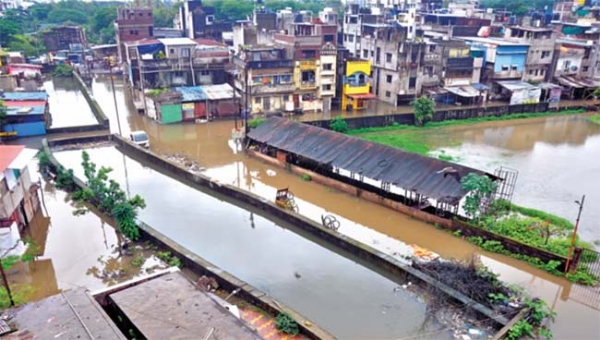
x,y
383,163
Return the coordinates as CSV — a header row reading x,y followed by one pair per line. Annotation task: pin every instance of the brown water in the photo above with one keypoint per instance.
x,y
340,295
382,228
67,105
557,159
75,251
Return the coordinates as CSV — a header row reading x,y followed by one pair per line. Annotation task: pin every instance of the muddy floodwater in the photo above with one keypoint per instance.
x,y
342,296
558,160
209,145
67,105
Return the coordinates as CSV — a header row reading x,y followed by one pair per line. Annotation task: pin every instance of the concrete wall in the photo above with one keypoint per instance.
x,y
438,116
202,267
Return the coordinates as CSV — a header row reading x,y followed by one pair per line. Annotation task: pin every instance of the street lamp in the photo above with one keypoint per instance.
x,y
580,204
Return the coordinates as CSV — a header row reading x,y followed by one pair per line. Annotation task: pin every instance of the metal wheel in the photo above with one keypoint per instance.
x,y
330,222
290,195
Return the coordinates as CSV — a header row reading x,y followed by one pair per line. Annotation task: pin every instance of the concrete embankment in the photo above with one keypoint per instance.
x,y
201,266
362,253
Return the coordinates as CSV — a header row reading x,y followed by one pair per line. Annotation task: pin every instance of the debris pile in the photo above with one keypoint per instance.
x,y
186,162
207,284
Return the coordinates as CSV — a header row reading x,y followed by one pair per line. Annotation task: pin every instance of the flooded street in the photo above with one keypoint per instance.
x,y
67,105
340,295
380,227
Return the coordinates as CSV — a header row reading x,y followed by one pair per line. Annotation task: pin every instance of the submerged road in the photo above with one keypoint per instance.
x,y
342,296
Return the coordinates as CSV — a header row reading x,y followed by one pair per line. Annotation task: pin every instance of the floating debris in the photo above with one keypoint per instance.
x,y
186,162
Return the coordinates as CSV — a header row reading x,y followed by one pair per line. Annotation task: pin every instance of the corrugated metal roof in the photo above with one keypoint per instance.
x,y
218,92
383,163
515,85
8,153
191,93
24,96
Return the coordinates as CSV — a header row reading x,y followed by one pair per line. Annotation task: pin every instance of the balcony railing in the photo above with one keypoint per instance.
x,y
306,85
264,64
274,88
177,64
508,74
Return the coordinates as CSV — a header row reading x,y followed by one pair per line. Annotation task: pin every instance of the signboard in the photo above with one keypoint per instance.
x,y
554,98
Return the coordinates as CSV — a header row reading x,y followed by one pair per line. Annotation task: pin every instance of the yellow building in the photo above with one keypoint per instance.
x,y
356,88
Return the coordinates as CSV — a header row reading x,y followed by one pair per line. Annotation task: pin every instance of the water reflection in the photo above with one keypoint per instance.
x,y
339,294
68,107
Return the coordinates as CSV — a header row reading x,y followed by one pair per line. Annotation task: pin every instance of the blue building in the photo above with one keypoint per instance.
x,y
27,113
502,60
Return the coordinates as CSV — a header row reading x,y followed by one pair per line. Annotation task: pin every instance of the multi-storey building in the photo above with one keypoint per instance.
x,y
313,47
198,21
502,59
541,49
354,17
133,24
70,38
356,84
397,62
265,79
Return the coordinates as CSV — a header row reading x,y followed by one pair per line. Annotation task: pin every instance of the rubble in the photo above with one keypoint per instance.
x,y
186,162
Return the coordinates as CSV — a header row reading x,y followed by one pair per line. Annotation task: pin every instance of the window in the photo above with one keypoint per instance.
x,y
388,57
257,100
585,68
353,20
345,37
388,94
351,38
365,54
326,87
328,38
513,67
185,52
171,51
388,79
412,82
545,54
504,68
542,72
358,38
431,48
308,76
428,70
328,67
530,72
286,98
205,73
378,58
308,54
133,32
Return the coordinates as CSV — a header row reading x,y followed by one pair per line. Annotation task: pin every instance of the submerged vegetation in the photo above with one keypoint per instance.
x,y
256,122
595,119
100,191
477,282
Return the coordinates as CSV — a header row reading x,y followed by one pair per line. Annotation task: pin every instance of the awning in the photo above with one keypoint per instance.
x,y
480,86
435,91
515,85
467,91
362,96
578,83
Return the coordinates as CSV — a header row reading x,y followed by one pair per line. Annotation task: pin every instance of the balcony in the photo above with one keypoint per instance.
x,y
432,59
307,65
459,63
264,64
308,85
272,89
179,64
508,74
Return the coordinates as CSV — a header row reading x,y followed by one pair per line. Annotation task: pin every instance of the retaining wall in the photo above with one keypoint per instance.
x,y
96,109
364,254
202,267
453,225
438,116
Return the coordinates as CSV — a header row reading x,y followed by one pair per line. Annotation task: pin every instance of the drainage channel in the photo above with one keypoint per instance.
x,y
347,299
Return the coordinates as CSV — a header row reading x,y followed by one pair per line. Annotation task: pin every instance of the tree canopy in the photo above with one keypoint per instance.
x,y
517,7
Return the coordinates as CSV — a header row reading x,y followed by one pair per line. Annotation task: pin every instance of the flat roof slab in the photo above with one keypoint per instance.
x,y
170,307
73,314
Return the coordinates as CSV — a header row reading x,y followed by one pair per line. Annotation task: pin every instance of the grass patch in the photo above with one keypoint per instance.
x,y
542,215
595,119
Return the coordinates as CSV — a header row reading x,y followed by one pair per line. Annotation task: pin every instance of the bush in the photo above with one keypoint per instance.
x,y
63,71
338,124
138,261
286,324
424,109
256,122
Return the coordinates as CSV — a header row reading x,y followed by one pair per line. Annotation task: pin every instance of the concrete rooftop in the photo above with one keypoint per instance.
x,y
73,314
170,307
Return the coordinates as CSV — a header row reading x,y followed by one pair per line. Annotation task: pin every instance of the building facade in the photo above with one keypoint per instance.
x,y
356,85
133,24
540,53
70,38
18,194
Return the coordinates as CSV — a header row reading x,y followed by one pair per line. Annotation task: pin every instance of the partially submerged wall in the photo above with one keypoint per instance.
x,y
366,255
202,267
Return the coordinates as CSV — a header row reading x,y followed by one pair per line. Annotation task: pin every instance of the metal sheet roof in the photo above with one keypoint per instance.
x,y
25,110
8,153
379,162
191,93
467,91
515,85
577,82
24,96
218,92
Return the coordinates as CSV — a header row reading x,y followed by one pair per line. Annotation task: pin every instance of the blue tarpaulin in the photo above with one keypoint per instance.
x,y
191,93
150,48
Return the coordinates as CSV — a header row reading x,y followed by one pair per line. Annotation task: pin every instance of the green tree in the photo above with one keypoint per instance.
x,y
424,108
61,16
338,124
596,92
8,30
480,188
25,44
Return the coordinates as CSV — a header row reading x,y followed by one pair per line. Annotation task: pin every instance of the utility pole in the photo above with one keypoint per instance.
x,y
247,108
580,204
5,280
112,85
